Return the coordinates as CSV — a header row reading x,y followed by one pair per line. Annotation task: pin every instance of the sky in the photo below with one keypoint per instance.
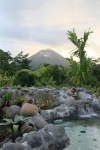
x,y
34,25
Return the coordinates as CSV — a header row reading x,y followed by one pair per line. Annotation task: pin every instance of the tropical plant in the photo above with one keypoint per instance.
x,y
14,123
6,97
43,76
45,102
84,69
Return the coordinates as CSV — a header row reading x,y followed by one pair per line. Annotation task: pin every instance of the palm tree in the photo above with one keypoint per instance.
x,y
84,62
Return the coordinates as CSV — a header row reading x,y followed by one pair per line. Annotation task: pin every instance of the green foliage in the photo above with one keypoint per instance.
x,y
6,97
11,65
6,80
49,75
43,77
24,77
5,60
12,123
20,100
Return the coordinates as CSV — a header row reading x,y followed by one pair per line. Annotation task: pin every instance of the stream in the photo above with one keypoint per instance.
x,y
84,134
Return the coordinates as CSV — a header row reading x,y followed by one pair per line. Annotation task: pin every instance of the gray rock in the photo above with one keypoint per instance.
x,y
11,111
70,101
34,139
40,123
13,146
83,96
26,128
14,96
49,114
54,137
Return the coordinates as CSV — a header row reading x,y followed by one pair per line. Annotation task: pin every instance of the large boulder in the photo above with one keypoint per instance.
x,y
54,137
29,109
34,139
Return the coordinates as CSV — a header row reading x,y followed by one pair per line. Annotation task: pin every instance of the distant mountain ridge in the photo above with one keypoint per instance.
x,y
47,56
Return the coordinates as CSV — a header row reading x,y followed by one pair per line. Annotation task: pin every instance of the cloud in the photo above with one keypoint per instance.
x,y
45,23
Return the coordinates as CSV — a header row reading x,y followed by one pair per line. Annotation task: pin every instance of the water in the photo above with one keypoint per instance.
x,y
86,111
84,134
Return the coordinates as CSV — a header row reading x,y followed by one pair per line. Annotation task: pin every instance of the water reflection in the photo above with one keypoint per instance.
x,y
84,134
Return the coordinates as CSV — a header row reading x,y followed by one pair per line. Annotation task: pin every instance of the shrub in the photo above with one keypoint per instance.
x,y
20,100
24,77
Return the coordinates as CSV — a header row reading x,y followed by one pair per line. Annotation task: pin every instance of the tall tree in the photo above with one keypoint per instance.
x,y
5,60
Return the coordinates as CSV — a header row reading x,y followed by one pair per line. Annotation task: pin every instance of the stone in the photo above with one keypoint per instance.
x,y
83,96
13,146
54,137
34,139
14,96
11,111
70,101
40,123
29,109
26,128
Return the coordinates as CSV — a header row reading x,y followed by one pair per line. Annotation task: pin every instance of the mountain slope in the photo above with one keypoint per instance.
x,y
48,57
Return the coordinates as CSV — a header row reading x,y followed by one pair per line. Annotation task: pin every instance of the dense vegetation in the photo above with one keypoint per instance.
x,y
16,71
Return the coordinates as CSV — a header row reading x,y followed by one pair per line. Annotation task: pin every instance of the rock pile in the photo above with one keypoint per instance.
x,y
40,135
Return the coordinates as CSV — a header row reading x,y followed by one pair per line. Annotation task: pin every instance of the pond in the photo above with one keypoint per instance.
x,y
84,134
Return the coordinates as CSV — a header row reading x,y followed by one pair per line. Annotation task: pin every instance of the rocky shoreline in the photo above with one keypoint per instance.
x,y
40,133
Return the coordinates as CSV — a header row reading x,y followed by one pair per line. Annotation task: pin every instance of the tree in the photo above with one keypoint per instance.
x,y
5,60
85,68
21,61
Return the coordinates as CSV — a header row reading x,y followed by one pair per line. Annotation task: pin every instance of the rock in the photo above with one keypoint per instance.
x,y
49,114
34,139
26,128
29,109
13,146
11,111
89,92
69,92
59,100
83,96
54,137
82,131
40,123
61,108
70,101
14,96
40,94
